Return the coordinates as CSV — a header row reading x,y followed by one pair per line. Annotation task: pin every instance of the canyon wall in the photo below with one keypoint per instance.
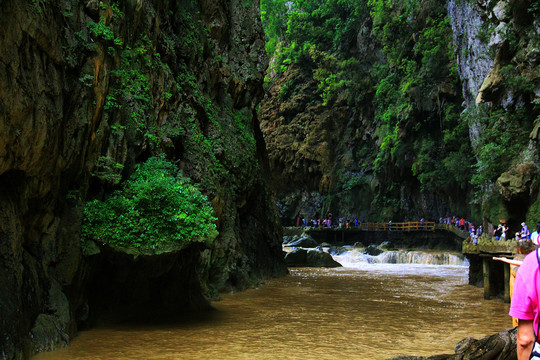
x,y
431,110
88,89
497,49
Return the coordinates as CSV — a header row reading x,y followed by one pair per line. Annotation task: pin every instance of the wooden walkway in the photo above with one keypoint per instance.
x,y
409,226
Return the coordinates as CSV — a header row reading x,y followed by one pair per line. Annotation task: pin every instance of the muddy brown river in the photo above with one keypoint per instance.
x,y
375,311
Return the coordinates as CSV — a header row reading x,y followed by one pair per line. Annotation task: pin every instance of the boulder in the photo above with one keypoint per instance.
x,y
517,182
288,239
337,250
311,258
317,258
386,246
373,250
305,241
501,346
297,257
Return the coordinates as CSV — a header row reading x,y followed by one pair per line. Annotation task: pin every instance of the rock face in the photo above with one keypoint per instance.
x,y
87,90
308,143
324,152
518,183
474,62
492,65
303,240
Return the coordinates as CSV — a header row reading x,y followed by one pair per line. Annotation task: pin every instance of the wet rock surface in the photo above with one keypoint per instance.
x,y
310,258
501,346
304,240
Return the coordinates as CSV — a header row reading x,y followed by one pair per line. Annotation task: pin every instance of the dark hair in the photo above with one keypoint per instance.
x,y
525,246
538,227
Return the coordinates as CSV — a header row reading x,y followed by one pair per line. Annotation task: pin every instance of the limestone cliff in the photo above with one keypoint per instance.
x,y
497,47
313,149
87,90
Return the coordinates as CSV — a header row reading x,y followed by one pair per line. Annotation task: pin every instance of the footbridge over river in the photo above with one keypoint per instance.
x,y
404,235
484,271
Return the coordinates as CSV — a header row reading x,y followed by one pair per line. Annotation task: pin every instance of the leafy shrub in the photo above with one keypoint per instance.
x,y
108,170
500,142
157,209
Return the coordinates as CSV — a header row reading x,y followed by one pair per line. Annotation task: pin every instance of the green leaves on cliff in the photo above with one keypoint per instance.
x,y
392,63
157,209
131,86
295,28
415,95
500,141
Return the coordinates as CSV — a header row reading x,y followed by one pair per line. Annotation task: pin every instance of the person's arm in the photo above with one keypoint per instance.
x,y
525,339
509,261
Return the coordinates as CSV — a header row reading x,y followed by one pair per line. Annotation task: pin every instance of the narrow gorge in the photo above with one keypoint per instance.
x,y
249,114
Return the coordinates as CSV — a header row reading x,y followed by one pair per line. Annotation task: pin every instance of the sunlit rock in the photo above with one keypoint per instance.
x,y
518,181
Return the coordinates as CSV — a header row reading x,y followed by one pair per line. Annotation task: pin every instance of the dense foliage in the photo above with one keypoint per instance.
x,y
154,97
321,34
417,102
157,209
407,80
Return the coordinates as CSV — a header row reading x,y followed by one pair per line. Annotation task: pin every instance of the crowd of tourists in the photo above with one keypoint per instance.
x,y
328,222
464,225
525,233
501,232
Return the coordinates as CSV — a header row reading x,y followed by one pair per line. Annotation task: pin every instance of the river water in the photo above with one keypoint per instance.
x,y
369,309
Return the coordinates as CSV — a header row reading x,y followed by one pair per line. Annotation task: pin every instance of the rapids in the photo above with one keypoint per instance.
x,y
355,258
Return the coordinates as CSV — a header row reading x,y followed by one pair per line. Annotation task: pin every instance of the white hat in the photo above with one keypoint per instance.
x,y
522,224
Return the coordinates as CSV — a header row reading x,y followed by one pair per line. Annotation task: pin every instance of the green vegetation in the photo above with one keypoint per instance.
x,y
498,145
157,101
108,170
157,209
414,95
408,81
317,33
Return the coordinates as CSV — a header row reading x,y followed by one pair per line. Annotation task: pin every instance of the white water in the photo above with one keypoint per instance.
x,y
355,258
402,261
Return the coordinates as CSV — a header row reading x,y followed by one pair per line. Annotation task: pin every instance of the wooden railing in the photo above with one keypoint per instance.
x,y
400,226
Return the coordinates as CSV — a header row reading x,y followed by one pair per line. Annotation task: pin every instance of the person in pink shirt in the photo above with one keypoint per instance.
x,y
525,304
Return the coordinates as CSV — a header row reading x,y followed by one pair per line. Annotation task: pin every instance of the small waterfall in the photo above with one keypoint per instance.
x,y
420,257
356,258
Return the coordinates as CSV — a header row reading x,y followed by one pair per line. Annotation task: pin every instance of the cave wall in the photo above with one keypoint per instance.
x,y
87,90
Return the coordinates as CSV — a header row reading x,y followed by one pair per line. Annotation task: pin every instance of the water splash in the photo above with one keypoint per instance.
x,y
355,258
